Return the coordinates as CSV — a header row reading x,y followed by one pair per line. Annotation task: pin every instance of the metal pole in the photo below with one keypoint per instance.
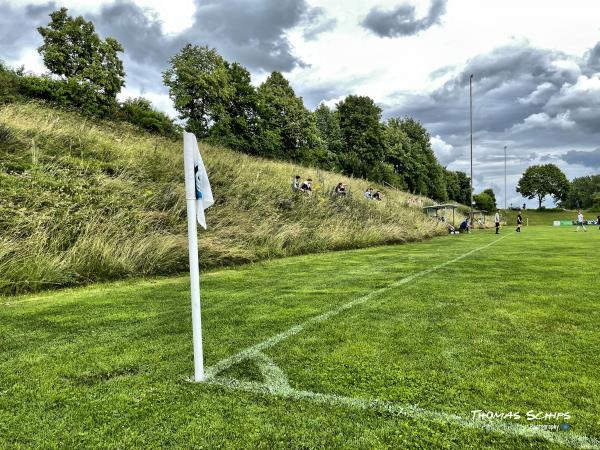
x,y
190,196
505,191
471,123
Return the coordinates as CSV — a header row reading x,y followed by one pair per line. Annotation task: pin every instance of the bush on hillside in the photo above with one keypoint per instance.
x,y
66,93
15,85
9,85
140,112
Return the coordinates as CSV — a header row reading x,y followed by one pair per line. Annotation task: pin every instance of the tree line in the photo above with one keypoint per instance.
x,y
539,181
218,102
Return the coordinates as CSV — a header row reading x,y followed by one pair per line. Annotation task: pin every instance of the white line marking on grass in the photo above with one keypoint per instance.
x,y
414,412
276,383
274,377
252,351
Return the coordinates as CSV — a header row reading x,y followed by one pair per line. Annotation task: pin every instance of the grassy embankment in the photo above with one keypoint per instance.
x,y
83,201
513,327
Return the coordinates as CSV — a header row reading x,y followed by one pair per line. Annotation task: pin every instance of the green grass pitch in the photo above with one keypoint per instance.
x,y
389,347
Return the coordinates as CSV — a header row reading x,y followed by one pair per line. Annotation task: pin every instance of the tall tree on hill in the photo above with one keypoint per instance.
x,y
328,124
198,82
398,154
490,192
540,181
236,123
428,177
287,129
452,184
89,65
362,133
464,182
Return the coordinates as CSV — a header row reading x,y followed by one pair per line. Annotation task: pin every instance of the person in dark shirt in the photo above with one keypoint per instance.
x,y
519,222
464,225
377,195
306,186
340,189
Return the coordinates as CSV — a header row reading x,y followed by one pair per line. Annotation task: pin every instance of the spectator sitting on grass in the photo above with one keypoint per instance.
x,y
340,189
306,187
296,183
377,195
369,194
464,225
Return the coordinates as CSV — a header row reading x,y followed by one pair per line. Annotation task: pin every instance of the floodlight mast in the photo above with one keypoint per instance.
x,y
471,123
505,191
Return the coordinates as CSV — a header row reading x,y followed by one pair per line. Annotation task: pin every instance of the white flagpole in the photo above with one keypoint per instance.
x,y
190,197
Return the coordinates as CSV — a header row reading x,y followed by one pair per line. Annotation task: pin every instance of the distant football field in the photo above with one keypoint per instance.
x,y
412,346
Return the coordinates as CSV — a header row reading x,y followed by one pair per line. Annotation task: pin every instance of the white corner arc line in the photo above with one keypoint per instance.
x,y
252,351
414,412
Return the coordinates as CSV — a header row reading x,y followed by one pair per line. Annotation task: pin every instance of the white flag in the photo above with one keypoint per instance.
x,y
204,197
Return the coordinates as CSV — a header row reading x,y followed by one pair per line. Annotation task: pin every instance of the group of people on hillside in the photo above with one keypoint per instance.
x,y
305,186
340,189
370,195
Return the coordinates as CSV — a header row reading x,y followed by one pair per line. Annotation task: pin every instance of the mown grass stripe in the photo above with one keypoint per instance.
x,y
252,351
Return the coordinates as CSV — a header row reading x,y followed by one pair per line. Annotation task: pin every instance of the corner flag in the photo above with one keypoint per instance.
x,y
204,197
198,197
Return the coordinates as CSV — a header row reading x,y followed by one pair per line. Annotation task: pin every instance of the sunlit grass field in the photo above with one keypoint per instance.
x,y
387,347
547,217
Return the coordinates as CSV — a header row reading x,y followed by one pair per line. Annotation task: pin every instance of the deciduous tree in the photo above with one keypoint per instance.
x,y
198,83
484,201
492,195
583,192
236,124
287,129
543,180
73,51
362,134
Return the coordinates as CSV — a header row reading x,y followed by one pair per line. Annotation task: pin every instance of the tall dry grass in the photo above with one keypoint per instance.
x,y
83,201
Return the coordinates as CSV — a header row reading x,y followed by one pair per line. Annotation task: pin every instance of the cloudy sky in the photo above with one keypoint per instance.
x,y
536,64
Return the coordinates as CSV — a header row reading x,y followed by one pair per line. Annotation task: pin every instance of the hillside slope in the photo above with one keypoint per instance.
x,y
84,200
